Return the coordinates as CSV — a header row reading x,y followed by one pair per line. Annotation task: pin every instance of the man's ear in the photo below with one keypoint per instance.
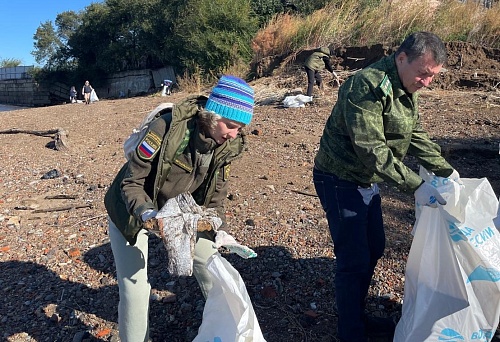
x,y
401,58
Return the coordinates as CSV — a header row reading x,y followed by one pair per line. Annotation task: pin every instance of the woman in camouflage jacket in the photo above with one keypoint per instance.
x,y
187,150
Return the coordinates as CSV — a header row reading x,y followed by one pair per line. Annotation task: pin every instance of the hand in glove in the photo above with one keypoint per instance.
x,y
149,220
455,176
428,195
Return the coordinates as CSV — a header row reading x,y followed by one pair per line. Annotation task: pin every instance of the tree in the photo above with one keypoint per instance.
x,y
125,34
9,62
67,23
215,34
51,43
266,9
46,44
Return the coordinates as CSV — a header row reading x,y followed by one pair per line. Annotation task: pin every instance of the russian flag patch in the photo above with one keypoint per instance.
x,y
149,145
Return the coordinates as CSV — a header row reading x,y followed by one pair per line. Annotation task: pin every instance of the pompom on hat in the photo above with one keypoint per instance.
x,y
233,99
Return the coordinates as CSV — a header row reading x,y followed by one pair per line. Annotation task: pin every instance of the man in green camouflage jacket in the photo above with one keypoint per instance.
x,y
373,125
187,150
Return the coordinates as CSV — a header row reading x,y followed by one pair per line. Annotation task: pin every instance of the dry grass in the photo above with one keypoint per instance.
x,y
360,23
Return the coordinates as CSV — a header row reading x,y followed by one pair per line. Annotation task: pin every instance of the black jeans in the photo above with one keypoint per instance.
x,y
354,217
313,76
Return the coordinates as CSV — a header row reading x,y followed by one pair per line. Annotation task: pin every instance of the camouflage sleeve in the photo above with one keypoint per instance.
x,y
364,121
142,167
428,153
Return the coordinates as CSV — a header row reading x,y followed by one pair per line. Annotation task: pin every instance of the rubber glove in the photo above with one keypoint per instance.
x,y
428,195
455,176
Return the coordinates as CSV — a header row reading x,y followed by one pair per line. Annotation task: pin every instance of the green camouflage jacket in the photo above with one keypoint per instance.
x,y
373,125
172,158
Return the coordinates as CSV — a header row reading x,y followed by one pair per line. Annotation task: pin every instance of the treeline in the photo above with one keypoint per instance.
x,y
206,37
118,35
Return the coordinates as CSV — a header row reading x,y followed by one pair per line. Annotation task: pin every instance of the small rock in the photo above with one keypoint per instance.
x,y
51,174
74,253
250,222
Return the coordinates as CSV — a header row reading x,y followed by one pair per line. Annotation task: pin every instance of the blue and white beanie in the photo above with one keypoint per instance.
x,y
232,98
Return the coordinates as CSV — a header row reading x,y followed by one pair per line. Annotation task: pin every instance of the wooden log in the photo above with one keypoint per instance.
x,y
59,135
69,207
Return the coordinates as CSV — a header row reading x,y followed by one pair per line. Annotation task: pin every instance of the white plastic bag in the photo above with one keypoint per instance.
x,y
178,222
452,283
228,315
93,96
497,218
179,219
296,101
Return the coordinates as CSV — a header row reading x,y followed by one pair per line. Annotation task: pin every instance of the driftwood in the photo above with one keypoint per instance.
x,y
61,197
59,135
90,218
68,207
304,193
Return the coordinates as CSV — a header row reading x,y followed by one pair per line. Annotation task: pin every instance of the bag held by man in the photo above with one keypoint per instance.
x,y
452,283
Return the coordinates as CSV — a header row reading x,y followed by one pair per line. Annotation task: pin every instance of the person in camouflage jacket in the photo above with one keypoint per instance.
x,y
317,61
373,125
187,150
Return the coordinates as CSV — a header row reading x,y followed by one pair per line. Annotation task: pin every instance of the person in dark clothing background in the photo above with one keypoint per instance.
x,y
72,94
316,62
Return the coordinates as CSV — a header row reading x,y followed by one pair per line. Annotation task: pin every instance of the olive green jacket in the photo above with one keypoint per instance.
x,y
172,158
319,60
373,125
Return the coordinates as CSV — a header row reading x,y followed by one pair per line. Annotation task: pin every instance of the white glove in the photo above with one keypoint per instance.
x,y
223,239
428,195
455,176
148,214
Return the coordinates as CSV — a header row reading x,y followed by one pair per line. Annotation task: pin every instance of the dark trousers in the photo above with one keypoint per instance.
x,y
313,76
355,220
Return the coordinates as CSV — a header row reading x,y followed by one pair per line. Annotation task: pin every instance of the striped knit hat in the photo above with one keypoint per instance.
x,y
232,98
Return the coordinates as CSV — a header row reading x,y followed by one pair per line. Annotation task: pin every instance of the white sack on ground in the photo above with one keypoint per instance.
x,y
296,101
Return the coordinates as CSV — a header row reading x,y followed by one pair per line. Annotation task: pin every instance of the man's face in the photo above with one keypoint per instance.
x,y
417,74
225,130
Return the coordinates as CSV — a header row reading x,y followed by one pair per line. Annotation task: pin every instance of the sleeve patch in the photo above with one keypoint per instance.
x,y
385,85
183,165
149,145
227,168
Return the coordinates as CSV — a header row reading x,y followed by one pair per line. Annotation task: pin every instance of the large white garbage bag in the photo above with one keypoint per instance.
x,y
452,284
228,315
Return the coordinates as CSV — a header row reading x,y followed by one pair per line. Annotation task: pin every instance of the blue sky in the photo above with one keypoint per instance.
x,y
19,20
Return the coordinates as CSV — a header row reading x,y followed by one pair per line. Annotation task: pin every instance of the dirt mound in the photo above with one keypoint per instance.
x,y
469,66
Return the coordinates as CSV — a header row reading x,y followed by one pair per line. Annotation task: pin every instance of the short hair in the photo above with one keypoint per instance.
x,y
419,43
208,120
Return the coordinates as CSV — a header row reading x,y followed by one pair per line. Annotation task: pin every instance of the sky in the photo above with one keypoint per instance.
x,y
19,20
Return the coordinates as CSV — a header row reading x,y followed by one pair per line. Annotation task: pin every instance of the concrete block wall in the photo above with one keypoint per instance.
x,y
27,93
134,82
18,92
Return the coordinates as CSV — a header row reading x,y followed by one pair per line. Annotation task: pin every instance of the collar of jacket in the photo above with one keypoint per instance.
x,y
202,142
